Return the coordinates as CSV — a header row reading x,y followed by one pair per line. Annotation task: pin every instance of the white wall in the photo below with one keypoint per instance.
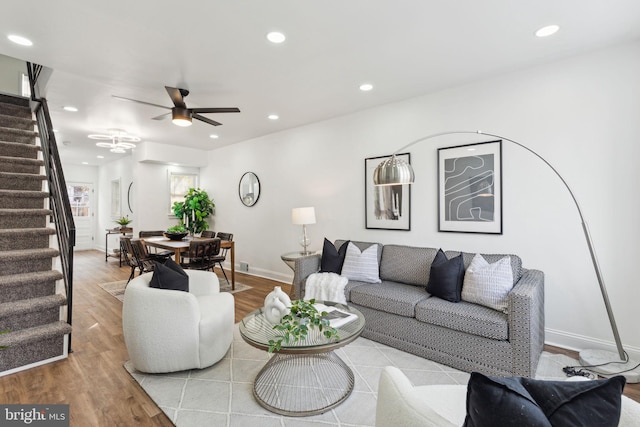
x,y
11,76
581,114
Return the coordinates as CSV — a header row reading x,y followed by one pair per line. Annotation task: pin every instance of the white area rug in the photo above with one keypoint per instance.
x,y
222,395
116,289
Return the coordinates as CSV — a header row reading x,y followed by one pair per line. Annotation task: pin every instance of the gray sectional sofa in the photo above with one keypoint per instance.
x,y
470,337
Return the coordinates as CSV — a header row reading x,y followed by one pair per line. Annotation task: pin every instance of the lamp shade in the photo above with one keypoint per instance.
x,y
393,171
181,116
303,216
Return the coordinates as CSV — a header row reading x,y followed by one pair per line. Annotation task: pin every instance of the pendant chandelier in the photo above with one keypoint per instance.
x,y
120,141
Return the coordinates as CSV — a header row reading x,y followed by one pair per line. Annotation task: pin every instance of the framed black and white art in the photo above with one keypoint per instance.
x,y
470,188
386,207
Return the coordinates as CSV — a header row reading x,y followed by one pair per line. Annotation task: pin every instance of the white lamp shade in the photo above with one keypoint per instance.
x,y
303,216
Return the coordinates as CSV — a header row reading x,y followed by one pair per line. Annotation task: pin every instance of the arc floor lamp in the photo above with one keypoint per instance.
x,y
395,171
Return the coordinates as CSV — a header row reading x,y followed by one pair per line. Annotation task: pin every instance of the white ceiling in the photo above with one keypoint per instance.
x,y
218,50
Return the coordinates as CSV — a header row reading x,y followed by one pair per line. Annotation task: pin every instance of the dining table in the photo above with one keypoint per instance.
x,y
179,246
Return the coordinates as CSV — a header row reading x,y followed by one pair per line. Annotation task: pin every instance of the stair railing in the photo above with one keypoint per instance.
x,y
58,196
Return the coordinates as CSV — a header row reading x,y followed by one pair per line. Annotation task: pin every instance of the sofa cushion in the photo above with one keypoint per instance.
x,y
361,265
169,276
488,284
390,297
518,401
445,277
332,258
361,245
464,317
516,261
406,264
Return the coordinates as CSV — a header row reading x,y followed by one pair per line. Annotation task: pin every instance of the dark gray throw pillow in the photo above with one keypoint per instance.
x,y
525,402
332,258
169,276
446,277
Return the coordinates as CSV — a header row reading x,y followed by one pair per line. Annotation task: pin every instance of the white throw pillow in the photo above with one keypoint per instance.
x,y
488,284
361,265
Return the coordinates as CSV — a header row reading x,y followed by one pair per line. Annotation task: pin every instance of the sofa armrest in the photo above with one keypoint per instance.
x,y
303,267
526,322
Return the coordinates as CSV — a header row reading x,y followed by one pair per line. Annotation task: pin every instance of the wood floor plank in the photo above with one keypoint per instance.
x,y
93,380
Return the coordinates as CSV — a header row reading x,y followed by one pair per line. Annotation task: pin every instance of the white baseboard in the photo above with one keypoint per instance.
x,y
580,342
261,272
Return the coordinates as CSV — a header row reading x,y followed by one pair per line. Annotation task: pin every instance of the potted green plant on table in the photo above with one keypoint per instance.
x,y
177,232
123,221
302,318
197,206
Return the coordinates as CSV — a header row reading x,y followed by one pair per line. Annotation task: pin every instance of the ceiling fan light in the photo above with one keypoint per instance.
x,y
180,116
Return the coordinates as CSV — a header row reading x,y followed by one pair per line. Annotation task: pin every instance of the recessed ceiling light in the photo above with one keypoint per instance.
x,y
547,31
276,37
273,117
85,163
70,108
100,157
23,41
213,136
366,87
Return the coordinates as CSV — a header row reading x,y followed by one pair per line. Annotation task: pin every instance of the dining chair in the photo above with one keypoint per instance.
x,y
208,234
201,253
156,254
219,259
135,256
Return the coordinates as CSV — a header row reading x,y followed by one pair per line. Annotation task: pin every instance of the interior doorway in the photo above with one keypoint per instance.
x,y
81,200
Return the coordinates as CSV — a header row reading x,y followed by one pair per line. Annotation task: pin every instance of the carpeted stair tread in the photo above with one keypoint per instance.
x,y
19,136
9,109
24,279
19,150
28,254
24,212
27,232
27,336
14,101
23,194
31,305
21,160
15,175
16,122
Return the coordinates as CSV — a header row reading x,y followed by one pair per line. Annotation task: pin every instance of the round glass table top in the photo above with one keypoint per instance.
x,y
349,322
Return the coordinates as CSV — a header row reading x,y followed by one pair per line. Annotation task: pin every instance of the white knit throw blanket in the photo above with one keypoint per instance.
x,y
326,287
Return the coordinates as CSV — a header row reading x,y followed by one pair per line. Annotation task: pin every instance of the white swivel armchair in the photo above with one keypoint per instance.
x,y
169,331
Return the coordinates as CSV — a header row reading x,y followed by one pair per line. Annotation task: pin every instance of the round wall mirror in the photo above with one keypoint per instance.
x,y
249,189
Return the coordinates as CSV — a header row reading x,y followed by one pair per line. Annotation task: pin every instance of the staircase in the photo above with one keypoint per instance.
x,y
32,293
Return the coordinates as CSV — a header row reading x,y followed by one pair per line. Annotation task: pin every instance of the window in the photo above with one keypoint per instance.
x,y
179,185
79,198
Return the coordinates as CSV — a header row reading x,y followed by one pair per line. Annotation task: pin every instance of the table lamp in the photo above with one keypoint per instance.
x,y
304,216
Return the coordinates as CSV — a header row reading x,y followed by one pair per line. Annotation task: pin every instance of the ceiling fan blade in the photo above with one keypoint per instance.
x,y
161,116
215,110
205,119
140,102
176,96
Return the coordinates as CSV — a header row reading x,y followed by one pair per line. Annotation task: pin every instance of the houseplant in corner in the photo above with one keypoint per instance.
x,y
197,206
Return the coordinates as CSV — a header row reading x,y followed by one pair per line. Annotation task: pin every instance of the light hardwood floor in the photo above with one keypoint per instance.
x,y
92,380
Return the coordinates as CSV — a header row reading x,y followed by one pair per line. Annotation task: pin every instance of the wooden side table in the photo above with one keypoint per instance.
x,y
124,231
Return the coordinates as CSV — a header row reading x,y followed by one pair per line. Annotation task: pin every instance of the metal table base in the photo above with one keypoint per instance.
x,y
303,384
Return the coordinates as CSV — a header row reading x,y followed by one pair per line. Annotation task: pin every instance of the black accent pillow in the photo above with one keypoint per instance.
x,y
446,277
332,258
169,276
522,402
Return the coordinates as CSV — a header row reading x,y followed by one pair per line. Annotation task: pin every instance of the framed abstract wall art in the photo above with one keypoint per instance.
x,y
470,188
386,207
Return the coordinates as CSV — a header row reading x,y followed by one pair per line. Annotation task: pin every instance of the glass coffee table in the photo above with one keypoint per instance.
x,y
306,377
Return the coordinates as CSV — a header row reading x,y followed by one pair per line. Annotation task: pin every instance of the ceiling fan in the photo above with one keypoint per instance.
x,y
180,114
